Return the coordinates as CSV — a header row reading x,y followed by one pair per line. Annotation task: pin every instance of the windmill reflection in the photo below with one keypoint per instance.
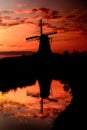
x,y
45,89
45,92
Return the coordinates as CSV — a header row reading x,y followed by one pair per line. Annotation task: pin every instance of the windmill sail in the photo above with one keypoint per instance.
x,y
41,31
33,37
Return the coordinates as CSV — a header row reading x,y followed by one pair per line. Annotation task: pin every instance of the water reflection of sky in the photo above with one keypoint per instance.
x,y
21,108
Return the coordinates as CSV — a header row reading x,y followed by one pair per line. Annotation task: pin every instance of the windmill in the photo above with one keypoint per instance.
x,y
44,46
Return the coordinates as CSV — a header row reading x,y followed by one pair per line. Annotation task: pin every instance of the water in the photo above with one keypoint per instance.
x,y
21,109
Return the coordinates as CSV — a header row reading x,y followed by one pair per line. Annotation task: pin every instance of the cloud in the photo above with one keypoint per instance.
x,y
25,11
70,16
75,20
48,25
10,23
46,13
5,17
65,20
44,10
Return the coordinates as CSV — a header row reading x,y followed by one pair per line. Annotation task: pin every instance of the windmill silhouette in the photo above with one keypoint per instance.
x,y
44,46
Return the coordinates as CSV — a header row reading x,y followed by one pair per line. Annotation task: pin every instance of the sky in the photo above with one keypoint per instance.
x,y
20,19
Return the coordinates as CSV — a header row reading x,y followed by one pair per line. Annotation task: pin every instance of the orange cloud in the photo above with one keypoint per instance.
x,y
25,11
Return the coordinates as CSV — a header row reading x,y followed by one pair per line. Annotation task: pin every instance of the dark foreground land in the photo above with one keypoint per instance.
x,y
69,69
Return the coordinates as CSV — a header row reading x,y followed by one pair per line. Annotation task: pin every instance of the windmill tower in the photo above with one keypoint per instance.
x,y
44,46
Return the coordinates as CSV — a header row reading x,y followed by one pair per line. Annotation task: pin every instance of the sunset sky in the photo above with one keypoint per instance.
x,y
20,19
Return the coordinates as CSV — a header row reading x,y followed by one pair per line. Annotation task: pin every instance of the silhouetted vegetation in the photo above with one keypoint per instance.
x,y
73,117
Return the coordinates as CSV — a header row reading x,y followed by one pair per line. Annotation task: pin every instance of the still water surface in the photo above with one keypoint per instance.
x,y
21,109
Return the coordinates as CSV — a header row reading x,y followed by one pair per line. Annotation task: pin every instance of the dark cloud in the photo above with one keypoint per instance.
x,y
51,26
1,44
63,29
84,33
70,16
54,14
81,19
6,24
44,10
46,13
34,10
75,20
